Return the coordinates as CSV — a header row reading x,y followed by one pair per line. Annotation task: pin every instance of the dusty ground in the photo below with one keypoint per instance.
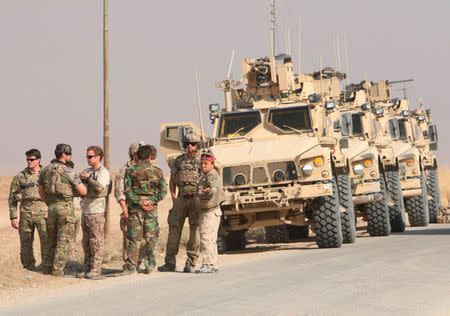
x,y
16,282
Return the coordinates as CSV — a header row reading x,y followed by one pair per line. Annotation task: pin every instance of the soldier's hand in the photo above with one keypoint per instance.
x,y
147,205
206,191
83,175
125,215
46,215
15,223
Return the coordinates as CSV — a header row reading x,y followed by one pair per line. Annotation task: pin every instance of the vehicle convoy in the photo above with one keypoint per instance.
x,y
278,159
430,167
354,122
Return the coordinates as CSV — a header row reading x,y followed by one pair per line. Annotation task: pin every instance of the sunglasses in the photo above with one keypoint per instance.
x,y
31,159
91,156
190,143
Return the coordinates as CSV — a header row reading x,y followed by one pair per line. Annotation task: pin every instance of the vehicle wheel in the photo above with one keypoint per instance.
x,y
397,211
378,214
434,205
327,218
235,240
298,232
417,206
276,234
348,216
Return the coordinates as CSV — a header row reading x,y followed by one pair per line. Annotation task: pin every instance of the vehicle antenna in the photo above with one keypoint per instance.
x,y
321,78
289,42
286,44
298,52
421,104
372,136
199,107
231,63
346,59
272,28
405,88
322,97
333,43
338,53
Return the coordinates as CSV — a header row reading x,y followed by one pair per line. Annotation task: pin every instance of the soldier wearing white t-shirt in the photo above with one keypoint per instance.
x,y
98,181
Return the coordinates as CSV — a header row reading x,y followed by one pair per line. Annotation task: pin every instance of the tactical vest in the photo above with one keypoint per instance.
x,y
208,201
142,182
56,181
29,186
91,192
187,174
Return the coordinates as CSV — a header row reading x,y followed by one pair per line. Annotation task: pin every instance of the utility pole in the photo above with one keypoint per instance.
x,y
272,28
106,108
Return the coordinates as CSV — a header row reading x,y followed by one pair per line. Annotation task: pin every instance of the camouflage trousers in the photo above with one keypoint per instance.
x,y
209,226
93,226
73,249
183,208
60,225
142,248
30,221
142,225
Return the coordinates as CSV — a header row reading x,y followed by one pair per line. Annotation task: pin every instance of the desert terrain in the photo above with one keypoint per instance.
x,y
16,283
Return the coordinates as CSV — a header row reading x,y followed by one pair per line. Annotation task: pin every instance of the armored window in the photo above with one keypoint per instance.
x,y
357,128
375,127
238,124
432,132
393,128
345,125
401,128
292,119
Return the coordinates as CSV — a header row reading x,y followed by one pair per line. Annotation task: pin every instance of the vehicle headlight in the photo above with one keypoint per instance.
x,y
367,163
409,162
307,169
318,161
214,108
358,169
240,179
279,175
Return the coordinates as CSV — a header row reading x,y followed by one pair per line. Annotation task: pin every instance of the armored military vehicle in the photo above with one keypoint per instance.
x,y
276,159
430,167
354,122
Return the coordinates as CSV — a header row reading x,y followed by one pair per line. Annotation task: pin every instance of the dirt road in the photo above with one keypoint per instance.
x,y
404,274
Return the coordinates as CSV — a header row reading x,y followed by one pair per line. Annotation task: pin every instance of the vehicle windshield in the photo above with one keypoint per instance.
x,y
295,118
238,124
401,128
357,128
393,128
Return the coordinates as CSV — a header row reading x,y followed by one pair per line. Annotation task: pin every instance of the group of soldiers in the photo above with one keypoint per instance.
x,y
50,196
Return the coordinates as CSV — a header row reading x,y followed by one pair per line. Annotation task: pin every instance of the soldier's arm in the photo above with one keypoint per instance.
x,y
161,191
42,194
172,187
14,197
75,181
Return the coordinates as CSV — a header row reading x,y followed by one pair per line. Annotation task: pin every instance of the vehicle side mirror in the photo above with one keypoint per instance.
x,y
433,146
343,142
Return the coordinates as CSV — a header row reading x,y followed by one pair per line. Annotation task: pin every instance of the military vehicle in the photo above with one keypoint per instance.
x,y
276,157
430,167
399,146
354,122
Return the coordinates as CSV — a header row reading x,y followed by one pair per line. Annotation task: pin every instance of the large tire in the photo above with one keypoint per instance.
x,y
327,219
434,205
396,211
348,215
417,206
378,214
235,240
276,234
298,232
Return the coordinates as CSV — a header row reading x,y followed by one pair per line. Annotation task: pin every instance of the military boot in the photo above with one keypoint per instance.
x,y
93,276
167,267
187,269
127,272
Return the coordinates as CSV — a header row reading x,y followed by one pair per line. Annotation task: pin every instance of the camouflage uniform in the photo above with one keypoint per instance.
x,y
120,195
209,216
73,249
93,206
185,170
24,189
143,181
60,221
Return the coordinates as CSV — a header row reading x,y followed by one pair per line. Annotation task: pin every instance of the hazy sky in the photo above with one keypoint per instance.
x,y
51,79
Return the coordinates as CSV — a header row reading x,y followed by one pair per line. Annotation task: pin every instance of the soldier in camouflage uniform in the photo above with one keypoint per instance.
x,y
58,184
119,194
93,205
208,196
144,187
24,189
72,252
184,174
